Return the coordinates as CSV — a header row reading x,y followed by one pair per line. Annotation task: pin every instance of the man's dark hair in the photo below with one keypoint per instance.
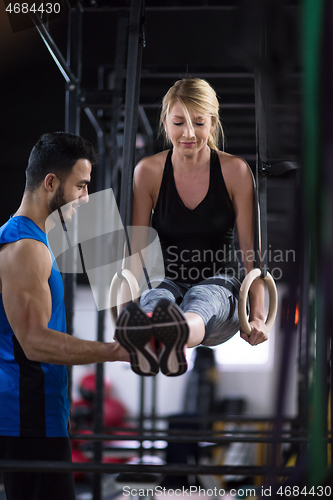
x,y
57,153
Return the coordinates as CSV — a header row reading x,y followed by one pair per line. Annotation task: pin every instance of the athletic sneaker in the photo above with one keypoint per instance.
x,y
171,330
134,333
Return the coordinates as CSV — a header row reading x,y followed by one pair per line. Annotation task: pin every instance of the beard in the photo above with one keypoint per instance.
x,y
61,206
58,199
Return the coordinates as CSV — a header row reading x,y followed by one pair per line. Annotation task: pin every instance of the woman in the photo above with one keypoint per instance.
x,y
193,195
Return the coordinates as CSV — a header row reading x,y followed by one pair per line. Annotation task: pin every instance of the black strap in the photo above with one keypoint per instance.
x,y
171,287
265,165
260,236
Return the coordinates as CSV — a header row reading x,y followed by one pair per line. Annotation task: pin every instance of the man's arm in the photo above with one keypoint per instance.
x,y
25,267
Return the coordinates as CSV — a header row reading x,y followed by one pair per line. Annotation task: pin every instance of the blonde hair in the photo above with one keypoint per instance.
x,y
197,95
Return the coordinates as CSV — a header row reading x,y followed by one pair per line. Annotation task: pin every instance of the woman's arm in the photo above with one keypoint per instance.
x,y
241,186
145,182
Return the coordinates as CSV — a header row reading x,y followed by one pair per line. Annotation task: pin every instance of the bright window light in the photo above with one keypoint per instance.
x,y
238,352
240,355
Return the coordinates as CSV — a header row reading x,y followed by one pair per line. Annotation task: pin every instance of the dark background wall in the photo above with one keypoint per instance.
x,y
32,101
214,39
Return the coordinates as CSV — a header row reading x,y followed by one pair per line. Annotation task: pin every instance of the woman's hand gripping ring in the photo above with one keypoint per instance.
x,y
243,293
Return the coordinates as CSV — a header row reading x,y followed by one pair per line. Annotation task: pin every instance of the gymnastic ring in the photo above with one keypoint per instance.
x,y
131,280
243,293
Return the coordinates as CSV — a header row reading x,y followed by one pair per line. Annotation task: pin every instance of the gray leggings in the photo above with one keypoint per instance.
x,y
215,300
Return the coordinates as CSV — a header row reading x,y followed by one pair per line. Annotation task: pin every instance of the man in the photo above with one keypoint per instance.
x,y
34,347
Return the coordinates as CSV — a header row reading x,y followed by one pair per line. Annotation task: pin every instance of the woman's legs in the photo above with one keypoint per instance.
x,y
175,294
218,309
196,327
210,307
166,290
207,314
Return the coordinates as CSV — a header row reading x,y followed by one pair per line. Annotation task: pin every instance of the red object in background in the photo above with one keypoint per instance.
x,y
114,413
82,417
87,387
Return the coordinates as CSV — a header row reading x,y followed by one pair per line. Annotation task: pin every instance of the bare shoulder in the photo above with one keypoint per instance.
x,y
236,172
151,165
234,165
148,176
24,257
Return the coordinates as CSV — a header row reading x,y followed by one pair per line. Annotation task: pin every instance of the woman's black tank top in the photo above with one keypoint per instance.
x,y
196,244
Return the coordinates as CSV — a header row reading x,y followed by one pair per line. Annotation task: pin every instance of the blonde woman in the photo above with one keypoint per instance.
x,y
194,195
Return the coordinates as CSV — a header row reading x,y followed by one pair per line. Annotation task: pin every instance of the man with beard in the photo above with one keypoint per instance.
x,y
34,348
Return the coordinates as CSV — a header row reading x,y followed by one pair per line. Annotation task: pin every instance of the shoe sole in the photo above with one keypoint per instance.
x,y
133,332
170,328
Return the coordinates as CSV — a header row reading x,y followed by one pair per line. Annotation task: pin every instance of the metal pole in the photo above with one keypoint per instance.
x,y
135,45
100,251
74,61
117,87
133,76
174,469
265,99
53,49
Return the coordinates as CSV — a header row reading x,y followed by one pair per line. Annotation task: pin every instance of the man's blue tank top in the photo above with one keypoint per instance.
x,y
33,395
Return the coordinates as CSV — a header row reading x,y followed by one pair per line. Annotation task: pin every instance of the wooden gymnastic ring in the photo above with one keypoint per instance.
x,y
243,293
131,280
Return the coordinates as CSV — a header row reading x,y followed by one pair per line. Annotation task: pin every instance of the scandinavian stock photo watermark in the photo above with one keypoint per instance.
x,y
219,262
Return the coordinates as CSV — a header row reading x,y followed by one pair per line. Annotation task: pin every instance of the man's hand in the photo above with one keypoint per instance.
x,y
119,353
258,333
